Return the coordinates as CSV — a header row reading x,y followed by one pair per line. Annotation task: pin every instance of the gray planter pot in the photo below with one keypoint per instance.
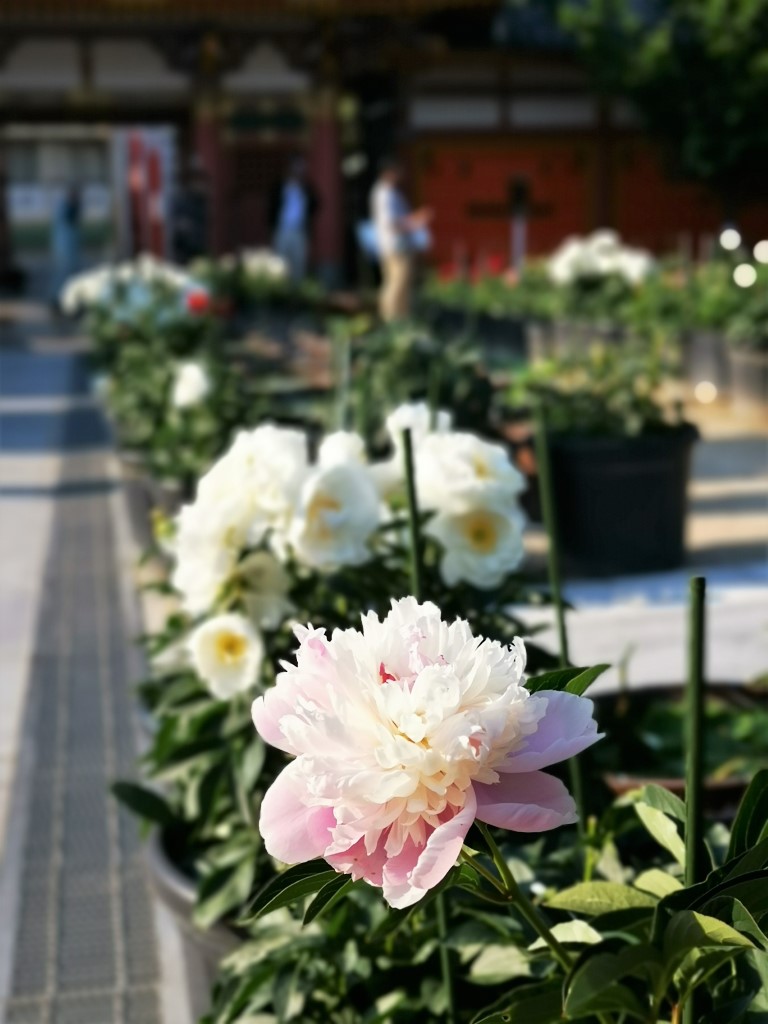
x,y
705,359
573,337
202,950
749,378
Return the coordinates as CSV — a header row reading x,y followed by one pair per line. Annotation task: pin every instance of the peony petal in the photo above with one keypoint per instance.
x,y
292,831
416,870
267,712
357,862
566,729
530,802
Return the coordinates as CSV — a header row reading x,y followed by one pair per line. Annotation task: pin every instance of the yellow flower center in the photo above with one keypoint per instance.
x,y
480,530
316,514
481,468
230,647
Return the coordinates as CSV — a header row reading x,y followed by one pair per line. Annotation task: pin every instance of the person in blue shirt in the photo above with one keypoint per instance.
x,y
292,209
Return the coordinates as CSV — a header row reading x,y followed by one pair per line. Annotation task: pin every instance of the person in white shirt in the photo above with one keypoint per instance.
x,y
292,207
395,225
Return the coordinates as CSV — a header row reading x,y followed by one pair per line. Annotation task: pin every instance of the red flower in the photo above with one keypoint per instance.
x,y
198,302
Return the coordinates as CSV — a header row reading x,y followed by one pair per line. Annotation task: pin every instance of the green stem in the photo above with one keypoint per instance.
x,y
694,781
433,397
343,370
694,774
549,515
445,960
523,905
468,858
417,587
417,570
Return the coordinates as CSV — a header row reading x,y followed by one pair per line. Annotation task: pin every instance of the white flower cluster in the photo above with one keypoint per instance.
x,y
598,255
95,285
190,386
263,263
265,504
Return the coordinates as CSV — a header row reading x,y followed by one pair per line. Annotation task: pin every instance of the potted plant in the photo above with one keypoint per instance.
x,y
595,279
253,551
747,336
503,312
715,301
620,458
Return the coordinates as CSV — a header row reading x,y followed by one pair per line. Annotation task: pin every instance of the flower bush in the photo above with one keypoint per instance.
x,y
402,747
608,390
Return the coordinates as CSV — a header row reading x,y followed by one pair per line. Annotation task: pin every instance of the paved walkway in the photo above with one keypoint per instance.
x,y
78,939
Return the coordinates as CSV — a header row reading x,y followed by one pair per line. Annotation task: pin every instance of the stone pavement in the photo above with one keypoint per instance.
x,y
78,943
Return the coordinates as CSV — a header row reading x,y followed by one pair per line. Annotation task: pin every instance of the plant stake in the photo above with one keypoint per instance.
x,y
694,761
549,515
417,589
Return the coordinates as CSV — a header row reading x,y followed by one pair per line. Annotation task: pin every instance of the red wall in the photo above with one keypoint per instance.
x,y
578,182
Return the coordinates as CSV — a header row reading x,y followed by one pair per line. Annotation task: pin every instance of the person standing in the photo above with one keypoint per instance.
x,y
399,234
293,205
65,239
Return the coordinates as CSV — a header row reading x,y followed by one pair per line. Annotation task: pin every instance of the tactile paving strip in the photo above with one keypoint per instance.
x,y
85,942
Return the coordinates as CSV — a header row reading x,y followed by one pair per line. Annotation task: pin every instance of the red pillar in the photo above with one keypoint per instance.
x,y
325,172
210,149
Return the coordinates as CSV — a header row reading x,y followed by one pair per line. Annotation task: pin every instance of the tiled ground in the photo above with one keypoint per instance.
x,y
78,940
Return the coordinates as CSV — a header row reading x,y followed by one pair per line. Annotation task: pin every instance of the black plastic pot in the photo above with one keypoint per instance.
x,y
749,378
202,950
705,359
619,715
621,501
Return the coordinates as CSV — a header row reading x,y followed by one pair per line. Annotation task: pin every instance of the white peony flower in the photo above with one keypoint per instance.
x,y
340,447
268,466
267,585
481,545
209,541
190,386
456,471
338,512
416,416
598,255
227,653
252,490
264,263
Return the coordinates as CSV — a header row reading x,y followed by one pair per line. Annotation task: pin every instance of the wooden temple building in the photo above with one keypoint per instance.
x,y
487,109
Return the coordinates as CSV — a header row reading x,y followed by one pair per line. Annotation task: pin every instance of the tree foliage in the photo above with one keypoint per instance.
x,y
696,70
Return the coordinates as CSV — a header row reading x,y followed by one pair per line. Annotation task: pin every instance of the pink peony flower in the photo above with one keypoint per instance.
x,y
404,733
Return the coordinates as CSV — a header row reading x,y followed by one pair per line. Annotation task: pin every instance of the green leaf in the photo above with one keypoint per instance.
x,y
688,930
663,800
663,830
595,985
541,1002
700,964
497,964
750,825
657,883
573,680
599,898
328,897
223,892
293,884
733,912
146,803
577,932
